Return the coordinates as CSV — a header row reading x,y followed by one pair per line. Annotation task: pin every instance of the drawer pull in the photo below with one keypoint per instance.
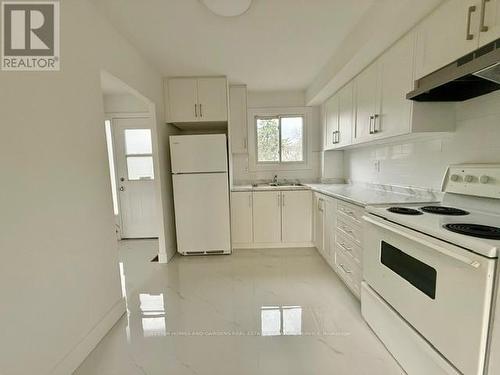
x,y
344,269
347,230
346,247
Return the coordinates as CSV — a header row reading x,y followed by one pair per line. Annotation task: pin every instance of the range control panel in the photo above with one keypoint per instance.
x,y
473,179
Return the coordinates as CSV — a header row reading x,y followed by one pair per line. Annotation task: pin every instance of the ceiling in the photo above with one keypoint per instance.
x,y
275,45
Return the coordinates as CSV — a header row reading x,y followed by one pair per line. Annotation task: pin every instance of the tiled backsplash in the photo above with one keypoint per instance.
x,y
422,162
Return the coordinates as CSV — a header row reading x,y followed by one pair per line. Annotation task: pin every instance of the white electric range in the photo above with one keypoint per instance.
x,y
430,274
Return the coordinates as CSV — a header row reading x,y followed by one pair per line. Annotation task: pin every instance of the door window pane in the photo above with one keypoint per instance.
x,y
268,139
138,141
140,168
292,320
270,321
292,129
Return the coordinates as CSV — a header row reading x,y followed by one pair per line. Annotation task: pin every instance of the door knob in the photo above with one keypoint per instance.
x,y
122,188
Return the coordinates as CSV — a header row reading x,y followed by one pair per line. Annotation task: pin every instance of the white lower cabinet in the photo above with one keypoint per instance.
x,y
241,217
339,238
271,219
267,217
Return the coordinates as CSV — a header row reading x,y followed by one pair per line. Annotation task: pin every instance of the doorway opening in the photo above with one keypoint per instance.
x,y
129,126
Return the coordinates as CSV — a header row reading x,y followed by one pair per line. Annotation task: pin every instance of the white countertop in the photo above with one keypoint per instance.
x,y
361,195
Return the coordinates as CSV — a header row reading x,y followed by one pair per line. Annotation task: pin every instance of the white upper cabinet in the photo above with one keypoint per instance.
x,y
367,88
182,99
296,216
212,99
241,217
331,122
196,99
489,27
454,29
396,79
238,128
346,115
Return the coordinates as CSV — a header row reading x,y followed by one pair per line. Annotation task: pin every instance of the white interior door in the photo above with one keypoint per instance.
x,y
136,185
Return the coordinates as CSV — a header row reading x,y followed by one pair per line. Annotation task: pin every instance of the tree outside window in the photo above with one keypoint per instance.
x,y
280,139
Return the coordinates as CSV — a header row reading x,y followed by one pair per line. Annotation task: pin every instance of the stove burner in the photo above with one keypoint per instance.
x,y
404,211
441,210
475,230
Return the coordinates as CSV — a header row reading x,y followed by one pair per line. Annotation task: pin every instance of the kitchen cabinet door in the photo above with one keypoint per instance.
x,y
241,217
318,210
346,115
182,100
238,119
396,68
267,217
367,89
442,36
491,22
212,99
296,216
330,229
331,121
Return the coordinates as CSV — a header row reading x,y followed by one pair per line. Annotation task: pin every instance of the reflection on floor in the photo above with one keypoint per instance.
x,y
280,311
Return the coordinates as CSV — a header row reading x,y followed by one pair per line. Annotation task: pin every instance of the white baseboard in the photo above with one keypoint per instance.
x,y
241,246
78,354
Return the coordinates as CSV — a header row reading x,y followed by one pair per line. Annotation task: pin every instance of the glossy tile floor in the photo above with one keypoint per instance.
x,y
280,311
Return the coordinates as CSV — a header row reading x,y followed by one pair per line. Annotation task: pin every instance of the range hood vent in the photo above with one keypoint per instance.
x,y
475,74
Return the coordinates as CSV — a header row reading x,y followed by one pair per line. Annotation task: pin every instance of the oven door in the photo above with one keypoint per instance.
x,y
443,291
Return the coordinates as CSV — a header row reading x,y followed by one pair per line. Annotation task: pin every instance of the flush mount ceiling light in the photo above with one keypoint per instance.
x,y
227,8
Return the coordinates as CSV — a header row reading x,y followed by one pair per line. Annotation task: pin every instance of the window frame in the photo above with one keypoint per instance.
x,y
279,117
311,124
139,155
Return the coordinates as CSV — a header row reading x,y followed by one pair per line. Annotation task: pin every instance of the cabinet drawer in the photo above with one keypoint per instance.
x,y
353,232
348,272
351,211
349,247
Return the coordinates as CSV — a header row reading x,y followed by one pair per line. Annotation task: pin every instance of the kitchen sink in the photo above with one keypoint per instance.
x,y
278,185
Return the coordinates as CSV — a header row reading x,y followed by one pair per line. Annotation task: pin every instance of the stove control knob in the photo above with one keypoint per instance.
x,y
484,179
469,178
454,177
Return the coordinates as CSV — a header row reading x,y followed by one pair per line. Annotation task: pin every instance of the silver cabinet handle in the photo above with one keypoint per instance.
x,y
344,269
122,188
345,246
371,120
283,199
279,200
201,113
338,136
482,27
320,204
468,34
333,137
375,130
195,110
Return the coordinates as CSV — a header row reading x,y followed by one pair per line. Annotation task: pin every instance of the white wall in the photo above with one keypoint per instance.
x,y
281,99
59,267
123,103
422,163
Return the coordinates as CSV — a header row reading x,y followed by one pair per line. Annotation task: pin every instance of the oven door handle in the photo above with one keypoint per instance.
x,y
461,258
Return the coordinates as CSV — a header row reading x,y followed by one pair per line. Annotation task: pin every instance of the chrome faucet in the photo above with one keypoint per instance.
x,y
275,179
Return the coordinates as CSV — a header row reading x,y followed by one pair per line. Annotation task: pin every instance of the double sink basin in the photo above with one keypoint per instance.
x,y
278,185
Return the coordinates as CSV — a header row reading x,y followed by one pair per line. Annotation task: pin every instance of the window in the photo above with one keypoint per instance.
x,y
280,139
139,153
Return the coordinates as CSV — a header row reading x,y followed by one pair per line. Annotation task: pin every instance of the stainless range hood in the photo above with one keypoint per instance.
x,y
473,75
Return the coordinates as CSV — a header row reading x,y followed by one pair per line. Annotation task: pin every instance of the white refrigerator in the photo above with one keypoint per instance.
x,y
201,193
